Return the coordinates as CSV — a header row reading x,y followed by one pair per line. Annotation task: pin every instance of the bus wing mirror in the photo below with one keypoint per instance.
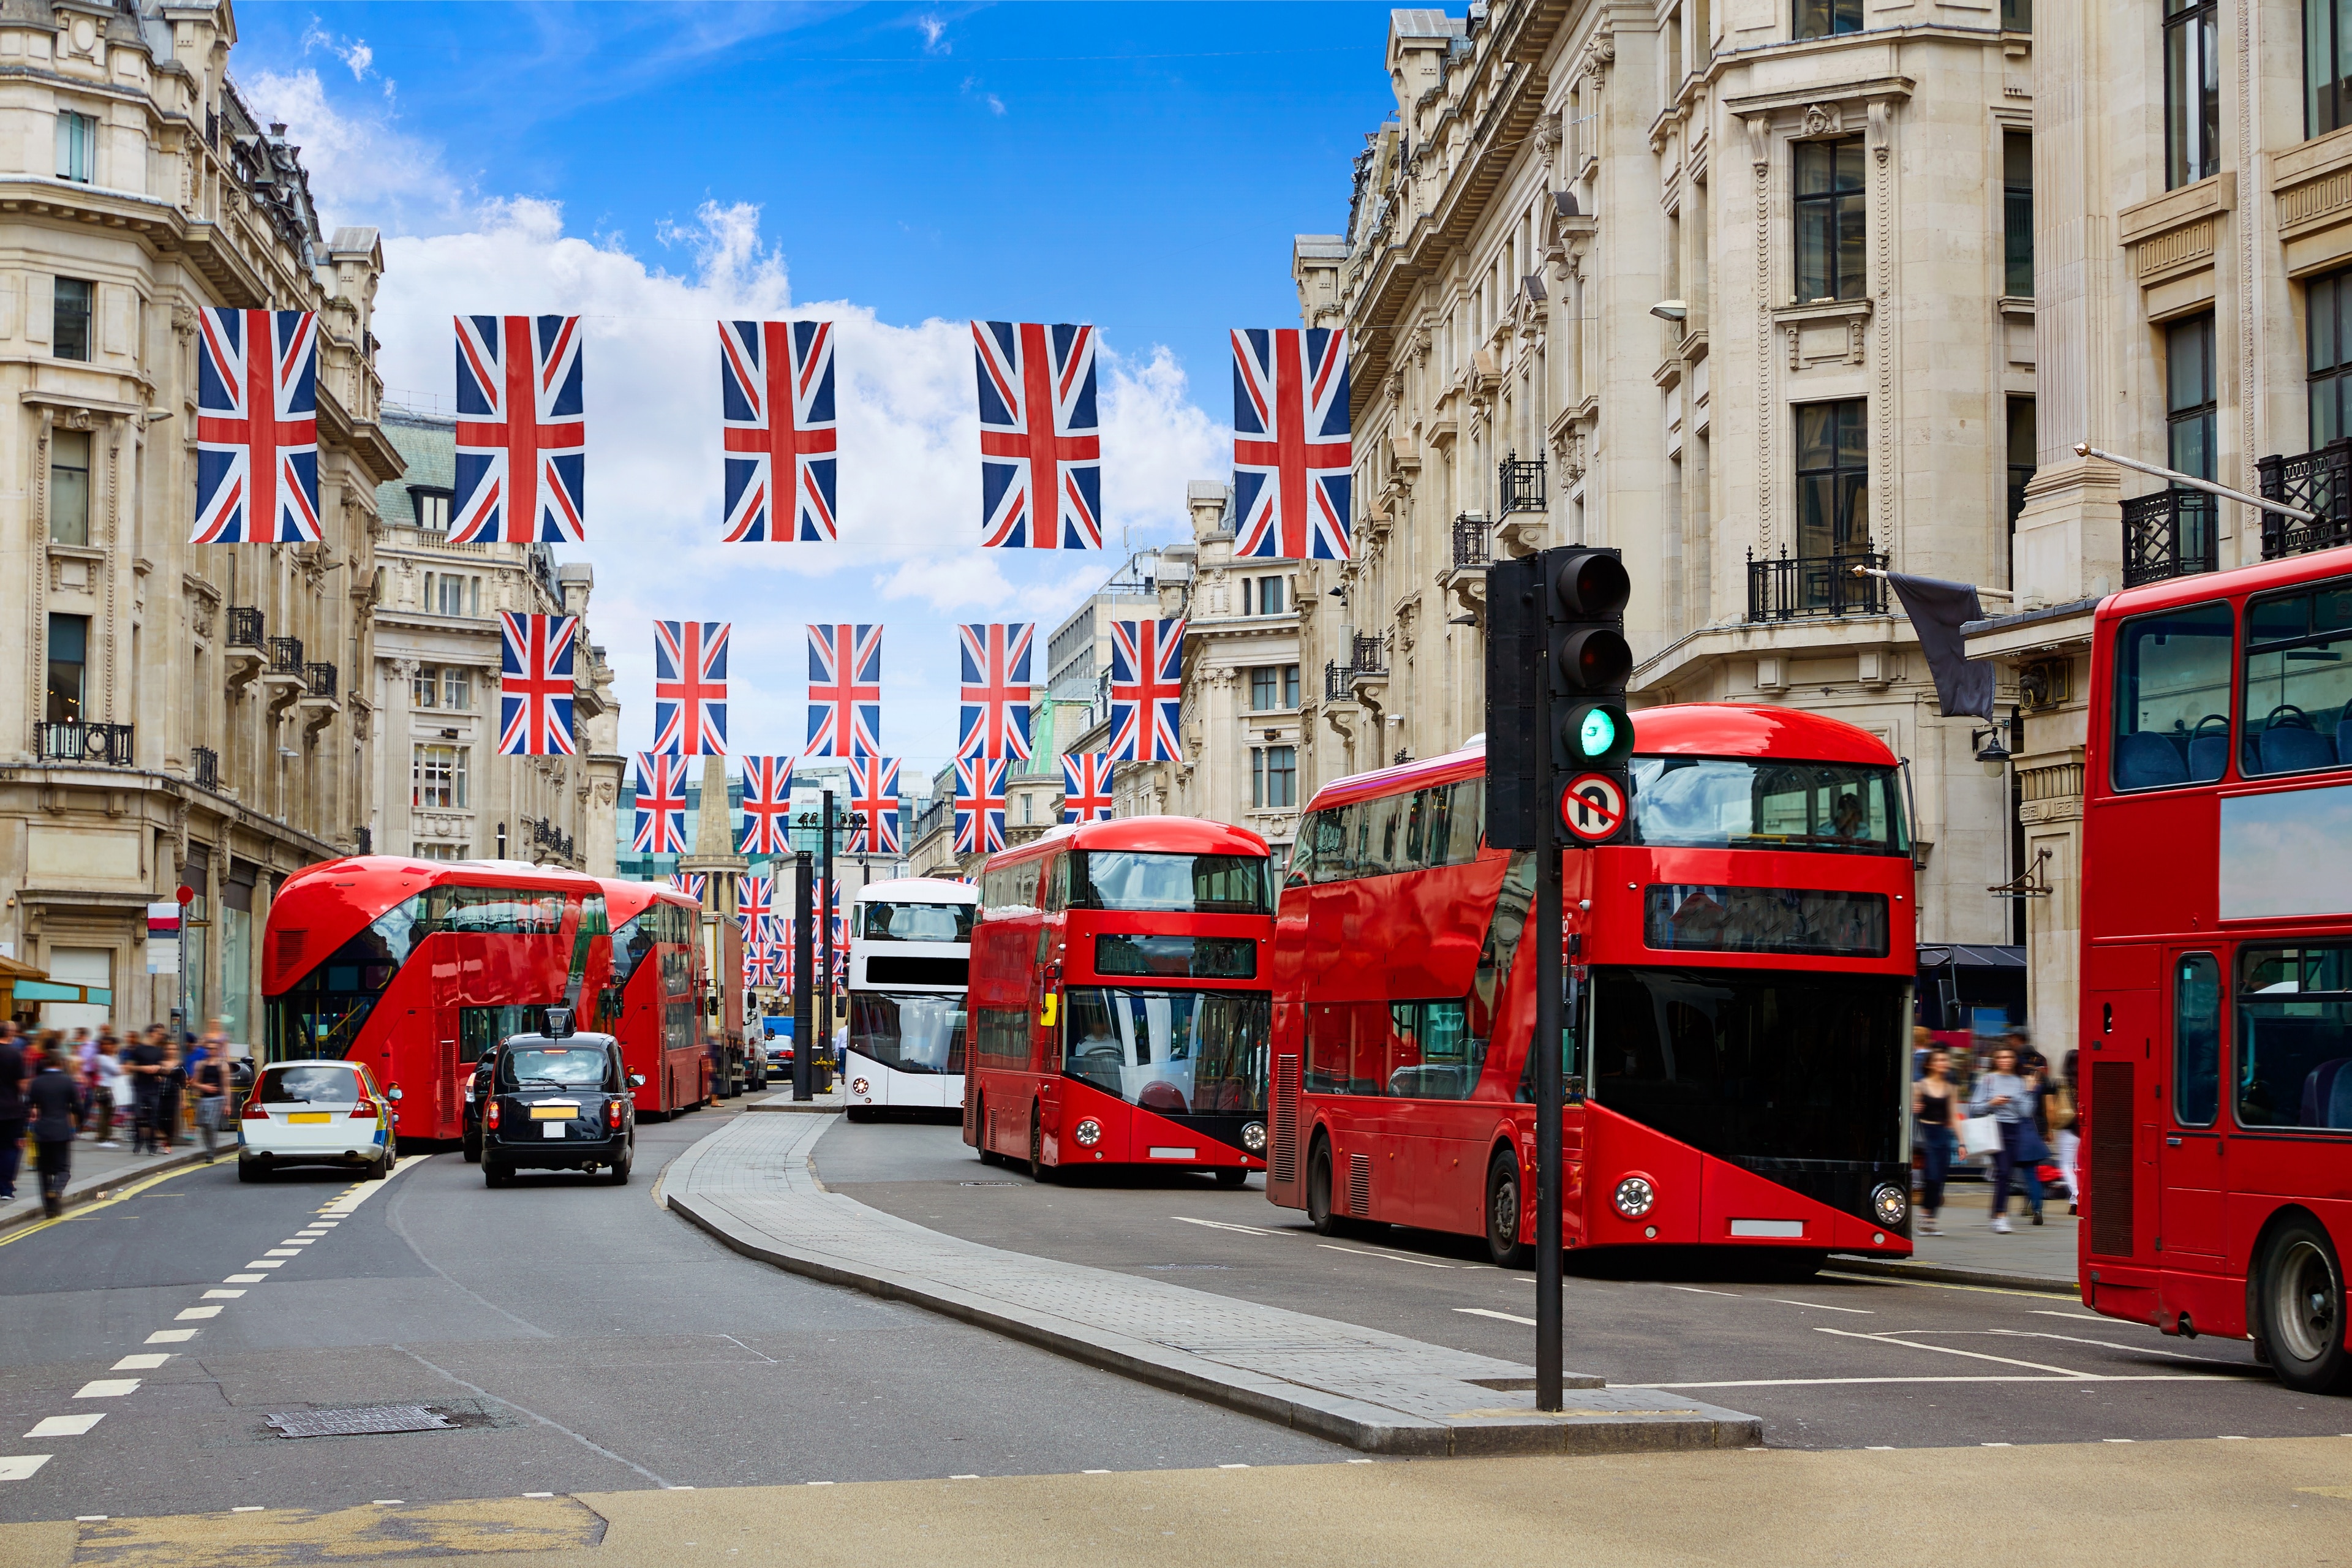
x,y
636,1080
393,1093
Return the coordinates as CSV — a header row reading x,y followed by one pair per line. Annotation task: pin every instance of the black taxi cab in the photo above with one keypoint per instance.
x,y
558,1100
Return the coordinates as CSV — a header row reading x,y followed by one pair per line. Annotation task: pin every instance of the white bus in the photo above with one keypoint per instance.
x,y
910,961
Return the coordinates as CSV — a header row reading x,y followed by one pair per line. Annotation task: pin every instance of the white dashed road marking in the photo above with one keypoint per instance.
x,y
107,1388
143,1362
223,1295
20,1466
1490,1312
170,1336
65,1426
187,1313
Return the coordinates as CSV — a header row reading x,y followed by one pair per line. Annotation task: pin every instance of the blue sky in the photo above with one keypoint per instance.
x,y
903,169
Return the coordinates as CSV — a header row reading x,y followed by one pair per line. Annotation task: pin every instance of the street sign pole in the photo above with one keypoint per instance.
x,y
1549,1090
803,1012
824,922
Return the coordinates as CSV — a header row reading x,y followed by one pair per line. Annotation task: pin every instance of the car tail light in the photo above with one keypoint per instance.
x,y
613,1113
363,1112
490,1117
256,1111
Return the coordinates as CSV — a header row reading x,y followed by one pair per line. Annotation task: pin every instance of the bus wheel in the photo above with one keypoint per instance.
x,y
1503,1208
1039,1171
1230,1176
1319,1192
2302,1314
980,1131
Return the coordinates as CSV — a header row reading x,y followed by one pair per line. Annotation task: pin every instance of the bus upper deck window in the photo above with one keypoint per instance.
x,y
2297,683
2172,697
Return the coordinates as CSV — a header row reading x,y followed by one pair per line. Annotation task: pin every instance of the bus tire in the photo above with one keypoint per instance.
x,y
1503,1198
2301,1309
1319,1192
980,1131
1232,1177
1039,1172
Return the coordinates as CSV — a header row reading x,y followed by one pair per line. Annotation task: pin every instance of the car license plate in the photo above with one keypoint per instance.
x,y
551,1129
553,1113
309,1116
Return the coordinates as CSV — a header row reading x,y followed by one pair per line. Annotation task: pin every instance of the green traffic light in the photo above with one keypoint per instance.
x,y
1598,734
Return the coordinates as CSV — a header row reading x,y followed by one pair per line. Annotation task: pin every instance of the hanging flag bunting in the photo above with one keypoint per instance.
x,y
980,805
776,929
1040,440
1086,786
767,806
996,718
1292,449
874,802
523,442
257,427
844,699
1147,691
690,687
535,685
775,391
690,883
661,806
755,905
764,967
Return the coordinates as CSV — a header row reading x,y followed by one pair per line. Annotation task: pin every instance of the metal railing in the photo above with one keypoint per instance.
x,y
1337,682
2170,533
2318,481
320,678
1371,657
204,762
244,625
1471,545
545,835
1798,587
1521,484
80,742
286,656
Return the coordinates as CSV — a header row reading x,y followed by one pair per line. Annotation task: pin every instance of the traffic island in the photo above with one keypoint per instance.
x,y
752,1185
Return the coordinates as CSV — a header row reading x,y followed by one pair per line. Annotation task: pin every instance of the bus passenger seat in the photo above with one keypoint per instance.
x,y
2293,748
2145,759
2209,758
2327,1094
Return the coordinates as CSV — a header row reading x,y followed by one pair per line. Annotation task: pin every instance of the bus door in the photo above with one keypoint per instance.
x,y
1047,997
2190,1162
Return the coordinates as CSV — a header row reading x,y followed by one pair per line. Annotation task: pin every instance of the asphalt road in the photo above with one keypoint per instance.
x,y
582,1339
1837,1362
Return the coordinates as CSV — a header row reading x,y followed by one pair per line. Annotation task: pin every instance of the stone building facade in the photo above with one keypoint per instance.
x,y
442,791
1743,288
182,714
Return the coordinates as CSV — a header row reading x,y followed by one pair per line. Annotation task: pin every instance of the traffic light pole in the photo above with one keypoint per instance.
x,y
804,967
824,925
1550,927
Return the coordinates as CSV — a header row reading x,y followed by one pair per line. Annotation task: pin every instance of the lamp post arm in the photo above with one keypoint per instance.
x,y
2085,449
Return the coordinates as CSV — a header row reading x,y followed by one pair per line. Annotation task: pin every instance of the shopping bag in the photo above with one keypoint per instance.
x,y
1979,1134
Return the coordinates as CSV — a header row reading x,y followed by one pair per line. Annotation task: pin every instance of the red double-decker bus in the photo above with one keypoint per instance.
x,y
1118,1008
649,990
1737,1068
2216,1021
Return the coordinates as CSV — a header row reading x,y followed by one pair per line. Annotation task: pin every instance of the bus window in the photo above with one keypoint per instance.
x,y
1174,1052
1388,835
2172,697
2297,682
1327,1048
1436,1056
1718,803
1326,841
2294,1038
2196,1041
917,923
1057,889
1153,881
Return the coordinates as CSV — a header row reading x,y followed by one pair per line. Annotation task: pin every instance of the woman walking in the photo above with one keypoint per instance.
x,y
51,1101
2009,1099
1933,1098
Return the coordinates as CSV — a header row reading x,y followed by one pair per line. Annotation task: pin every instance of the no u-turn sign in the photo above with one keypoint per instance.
x,y
1592,807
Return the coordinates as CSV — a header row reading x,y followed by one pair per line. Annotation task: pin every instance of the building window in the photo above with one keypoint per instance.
x,y
2192,92
69,319
438,777
2189,402
70,487
1831,225
425,690
1025,809
2020,468
438,851
1291,686
2017,214
2326,65
1824,18
2017,15
457,689
77,147
1273,776
2328,306
432,509
1270,595
1832,478
69,660
1265,687
446,594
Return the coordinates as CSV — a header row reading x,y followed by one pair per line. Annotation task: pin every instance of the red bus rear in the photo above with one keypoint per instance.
x,y
648,989
2216,990
1740,1072
1118,1007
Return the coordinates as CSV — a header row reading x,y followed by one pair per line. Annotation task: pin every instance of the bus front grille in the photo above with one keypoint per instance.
x,y
2112,1109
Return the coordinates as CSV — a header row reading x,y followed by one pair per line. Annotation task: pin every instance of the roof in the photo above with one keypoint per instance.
x,y
907,888
428,445
1165,834
1426,24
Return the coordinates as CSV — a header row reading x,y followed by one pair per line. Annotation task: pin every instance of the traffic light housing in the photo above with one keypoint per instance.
x,y
1518,751
1583,591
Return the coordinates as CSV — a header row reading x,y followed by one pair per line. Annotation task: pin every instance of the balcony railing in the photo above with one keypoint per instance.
x,y
1336,683
2318,481
79,743
1521,484
204,762
1370,658
1471,545
546,836
320,678
243,627
2172,533
1798,587
286,657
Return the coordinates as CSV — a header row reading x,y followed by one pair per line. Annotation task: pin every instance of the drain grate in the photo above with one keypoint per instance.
x,y
362,1422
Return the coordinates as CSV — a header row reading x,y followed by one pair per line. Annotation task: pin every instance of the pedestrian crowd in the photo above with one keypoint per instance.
x,y
56,1089
1999,1100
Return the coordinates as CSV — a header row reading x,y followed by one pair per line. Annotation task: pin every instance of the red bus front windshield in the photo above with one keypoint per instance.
x,y
1149,882
1180,1052
1729,803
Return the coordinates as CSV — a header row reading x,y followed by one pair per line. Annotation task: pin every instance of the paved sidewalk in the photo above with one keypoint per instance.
x,y
831,1100
98,1172
2030,1256
752,1185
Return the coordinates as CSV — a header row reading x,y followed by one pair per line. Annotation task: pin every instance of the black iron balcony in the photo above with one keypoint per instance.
x,y
77,742
1336,683
1521,484
286,657
2318,481
1372,658
2172,533
1471,548
1800,587
321,679
243,627
545,835
204,762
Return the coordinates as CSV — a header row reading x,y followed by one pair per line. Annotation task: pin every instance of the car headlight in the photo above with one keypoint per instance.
x,y
1890,1204
1254,1137
1087,1132
1635,1197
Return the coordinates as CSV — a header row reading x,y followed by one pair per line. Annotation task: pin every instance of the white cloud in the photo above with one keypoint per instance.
x,y
971,88
353,52
934,28
364,168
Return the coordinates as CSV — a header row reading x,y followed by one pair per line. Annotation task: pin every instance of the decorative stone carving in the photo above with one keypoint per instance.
x,y
1824,120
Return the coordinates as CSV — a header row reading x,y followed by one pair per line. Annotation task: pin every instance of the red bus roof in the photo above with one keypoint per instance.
x,y
1167,835
1681,729
625,901
332,902
2201,587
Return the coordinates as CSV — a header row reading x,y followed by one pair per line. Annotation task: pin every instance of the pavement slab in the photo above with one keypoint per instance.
x,y
753,1187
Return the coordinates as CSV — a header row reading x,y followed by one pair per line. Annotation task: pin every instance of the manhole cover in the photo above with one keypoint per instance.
x,y
362,1422
990,1184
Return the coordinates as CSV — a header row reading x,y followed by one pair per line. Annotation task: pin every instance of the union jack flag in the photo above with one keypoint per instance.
x,y
775,384
1147,691
874,801
755,905
690,687
1086,786
765,968
980,805
257,427
995,721
1292,447
844,699
523,442
1040,438
767,806
690,883
535,685
661,806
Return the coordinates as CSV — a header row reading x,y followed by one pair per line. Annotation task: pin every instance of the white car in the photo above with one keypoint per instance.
x,y
316,1113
